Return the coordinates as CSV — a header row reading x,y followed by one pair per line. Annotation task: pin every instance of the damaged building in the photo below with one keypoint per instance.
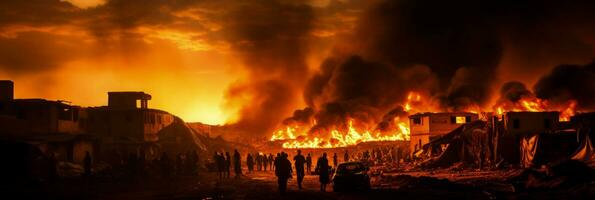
x,y
127,125
525,139
52,126
426,127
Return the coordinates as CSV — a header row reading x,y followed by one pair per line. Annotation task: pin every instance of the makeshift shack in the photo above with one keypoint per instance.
x,y
470,144
547,148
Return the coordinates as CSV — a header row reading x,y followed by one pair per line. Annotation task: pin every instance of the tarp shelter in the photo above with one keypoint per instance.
x,y
586,150
178,137
470,144
547,148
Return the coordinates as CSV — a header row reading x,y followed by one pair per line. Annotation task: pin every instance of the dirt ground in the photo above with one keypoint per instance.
x,y
263,185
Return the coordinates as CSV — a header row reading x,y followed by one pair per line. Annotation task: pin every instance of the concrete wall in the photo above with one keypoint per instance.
x,y
522,123
434,125
140,124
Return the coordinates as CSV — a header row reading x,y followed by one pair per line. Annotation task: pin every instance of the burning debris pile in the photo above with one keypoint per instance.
x,y
302,130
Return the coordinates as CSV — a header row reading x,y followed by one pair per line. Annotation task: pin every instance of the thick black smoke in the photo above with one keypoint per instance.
x,y
452,48
303,116
513,91
359,89
569,82
387,123
271,38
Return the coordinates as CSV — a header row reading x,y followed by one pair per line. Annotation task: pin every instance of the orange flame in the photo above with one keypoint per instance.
x,y
533,104
297,136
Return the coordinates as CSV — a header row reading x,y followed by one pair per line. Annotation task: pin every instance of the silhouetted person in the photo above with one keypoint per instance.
x,y
276,161
87,164
299,162
283,172
141,163
265,162
131,165
237,167
188,163
346,157
335,160
53,167
227,164
309,163
322,168
220,160
179,164
250,163
165,165
270,160
258,162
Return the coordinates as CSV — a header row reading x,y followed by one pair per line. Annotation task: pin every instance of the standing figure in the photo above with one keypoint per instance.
x,y
309,163
322,168
335,160
265,162
250,163
237,167
283,172
179,164
346,157
276,161
258,162
299,162
270,160
53,167
165,165
220,160
227,164
87,164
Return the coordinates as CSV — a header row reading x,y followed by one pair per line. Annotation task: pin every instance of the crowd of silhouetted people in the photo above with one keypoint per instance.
x,y
279,163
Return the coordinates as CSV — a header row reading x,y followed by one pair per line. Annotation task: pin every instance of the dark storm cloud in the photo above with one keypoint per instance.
x,y
569,82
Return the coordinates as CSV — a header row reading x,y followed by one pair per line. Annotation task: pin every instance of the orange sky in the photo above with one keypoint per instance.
x,y
78,50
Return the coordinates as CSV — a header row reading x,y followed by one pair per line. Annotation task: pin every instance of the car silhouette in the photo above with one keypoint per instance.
x,y
351,175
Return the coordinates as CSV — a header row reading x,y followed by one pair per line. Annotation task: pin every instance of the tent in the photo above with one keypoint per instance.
x,y
585,151
178,137
470,144
547,148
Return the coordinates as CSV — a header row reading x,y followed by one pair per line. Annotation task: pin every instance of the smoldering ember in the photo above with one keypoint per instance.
x,y
297,99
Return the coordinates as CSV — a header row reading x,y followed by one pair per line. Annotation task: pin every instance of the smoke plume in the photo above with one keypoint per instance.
x,y
271,38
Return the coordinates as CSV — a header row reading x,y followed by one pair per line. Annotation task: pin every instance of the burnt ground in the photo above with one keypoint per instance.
x,y
263,185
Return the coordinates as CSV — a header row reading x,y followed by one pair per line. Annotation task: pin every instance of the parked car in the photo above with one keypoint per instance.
x,y
351,175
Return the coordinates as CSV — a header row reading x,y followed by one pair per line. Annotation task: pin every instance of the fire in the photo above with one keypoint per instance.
x,y
297,136
354,132
533,104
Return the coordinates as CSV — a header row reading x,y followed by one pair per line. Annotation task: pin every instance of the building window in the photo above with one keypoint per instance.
x,y
416,120
516,123
460,119
468,119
